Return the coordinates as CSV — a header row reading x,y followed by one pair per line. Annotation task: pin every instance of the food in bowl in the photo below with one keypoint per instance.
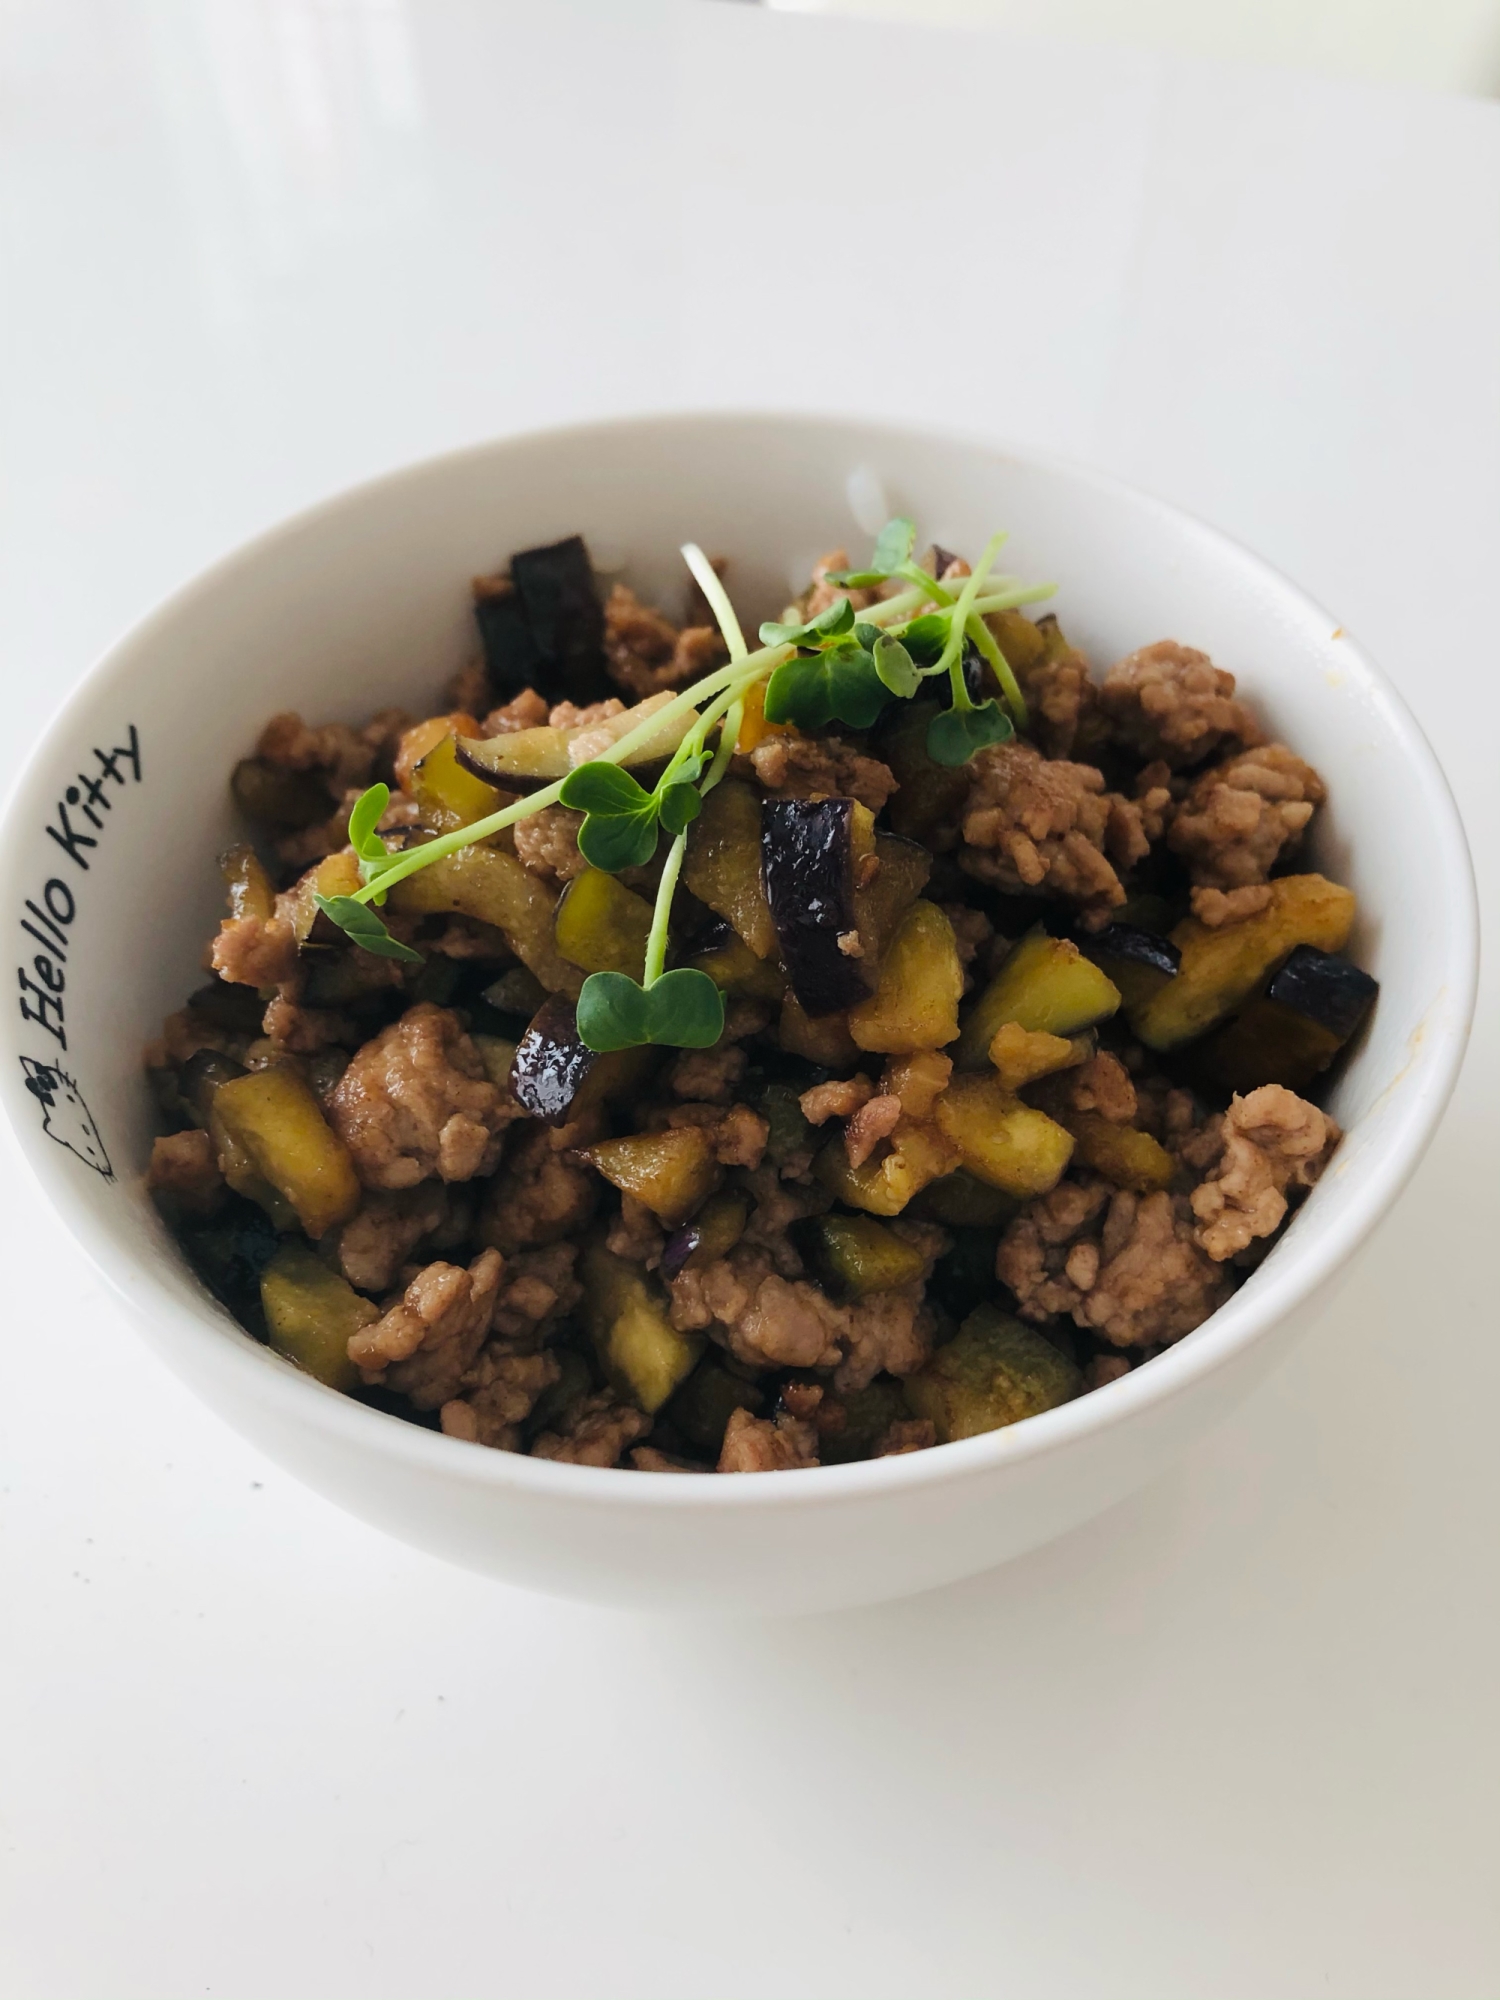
x,y
692,1057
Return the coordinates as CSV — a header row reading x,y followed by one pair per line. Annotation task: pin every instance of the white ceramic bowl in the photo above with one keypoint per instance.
x,y
364,601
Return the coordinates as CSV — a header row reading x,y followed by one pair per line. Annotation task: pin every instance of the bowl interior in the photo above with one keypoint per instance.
x,y
364,602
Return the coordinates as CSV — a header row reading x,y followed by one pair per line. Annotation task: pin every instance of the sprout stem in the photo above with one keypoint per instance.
x,y
661,919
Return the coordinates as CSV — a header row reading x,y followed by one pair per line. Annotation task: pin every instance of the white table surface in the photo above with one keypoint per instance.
x,y
1235,1739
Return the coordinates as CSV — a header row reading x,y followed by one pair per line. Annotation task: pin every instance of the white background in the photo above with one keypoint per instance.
x,y
1237,1738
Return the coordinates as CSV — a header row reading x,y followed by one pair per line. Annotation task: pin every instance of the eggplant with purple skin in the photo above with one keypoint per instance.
x,y
1137,961
810,855
552,1063
1292,1031
548,626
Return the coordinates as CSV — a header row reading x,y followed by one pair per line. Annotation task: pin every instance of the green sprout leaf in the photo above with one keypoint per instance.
x,y
679,806
369,809
895,666
838,684
893,547
681,1010
829,624
361,926
925,638
620,828
955,735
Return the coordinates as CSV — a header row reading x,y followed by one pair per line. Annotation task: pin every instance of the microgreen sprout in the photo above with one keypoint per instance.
x,y
842,665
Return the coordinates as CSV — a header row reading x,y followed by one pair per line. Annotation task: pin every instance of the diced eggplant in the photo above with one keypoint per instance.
x,y
546,628
810,853
1011,1145
236,1009
448,795
1022,1055
915,1002
919,1154
276,797
551,1063
1291,1033
493,886
712,1234
274,1116
898,881
526,758
1046,985
734,969
930,794
853,1255
575,1378
336,874
557,590
965,1277
825,1041
311,1313
960,1201
994,1372
722,866
1129,1158
1023,643
625,1311
702,1407
201,1078
250,889
868,1415
516,992
230,1253
672,1172
1324,988
601,926
790,1133
1221,968
1138,962
498,1056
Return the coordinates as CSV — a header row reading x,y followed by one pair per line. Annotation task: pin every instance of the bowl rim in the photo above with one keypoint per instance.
x,y
264,1378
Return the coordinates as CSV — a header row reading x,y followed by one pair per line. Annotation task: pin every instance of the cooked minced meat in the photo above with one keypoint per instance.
x,y
755,1256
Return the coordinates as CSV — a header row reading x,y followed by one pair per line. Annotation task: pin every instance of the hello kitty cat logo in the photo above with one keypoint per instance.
x,y
65,1116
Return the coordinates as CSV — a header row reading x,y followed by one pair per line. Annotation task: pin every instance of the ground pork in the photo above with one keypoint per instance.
x,y
635,1234
778,1205
1214,908
311,844
569,715
875,1120
973,933
539,1196
1104,1368
499,1393
765,1320
469,688
1101,1086
1272,1141
374,1244
1060,696
527,711
839,1099
783,1443
907,1434
423,1344
595,1432
184,1033
548,843
1031,824
1125,1266
255,951
804,767
415,1101
1172,704
303,1031
759,1316
645,652
1239,819
184,1171
708,1075
538,1288
646,1458
820,595
341,756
